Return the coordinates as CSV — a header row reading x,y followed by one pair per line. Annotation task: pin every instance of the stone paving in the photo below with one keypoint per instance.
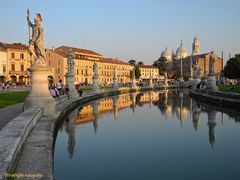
x,y
9,112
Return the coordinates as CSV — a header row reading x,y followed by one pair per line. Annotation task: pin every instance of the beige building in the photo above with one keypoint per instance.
x,y
84,60
14,68
148,71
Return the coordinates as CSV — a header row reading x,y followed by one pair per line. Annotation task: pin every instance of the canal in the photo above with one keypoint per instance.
x,y
150,135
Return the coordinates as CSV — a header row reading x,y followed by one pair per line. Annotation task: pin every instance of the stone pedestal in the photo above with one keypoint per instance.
x,y
195,81
95,87
72,90
133,84
151,83
39,93
115,84
181,80
211,83
165,82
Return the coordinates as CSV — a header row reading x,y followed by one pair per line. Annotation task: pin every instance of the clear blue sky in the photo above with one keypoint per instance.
x,y
127,29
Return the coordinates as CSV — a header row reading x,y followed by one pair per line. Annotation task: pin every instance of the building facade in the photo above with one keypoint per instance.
x,y
84,59
15,60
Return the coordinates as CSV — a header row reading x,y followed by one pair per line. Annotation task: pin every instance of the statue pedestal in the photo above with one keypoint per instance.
x,y
211,83
133,84
150,83
39,93
95,87
115,84
181,80
166,82
72,90
195,81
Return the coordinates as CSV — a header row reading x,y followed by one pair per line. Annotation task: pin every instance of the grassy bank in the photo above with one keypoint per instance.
x,y
228,88
10,98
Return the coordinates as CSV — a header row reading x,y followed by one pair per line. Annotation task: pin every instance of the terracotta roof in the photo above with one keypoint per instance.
x,y
201,56
14,46
63,51
113,61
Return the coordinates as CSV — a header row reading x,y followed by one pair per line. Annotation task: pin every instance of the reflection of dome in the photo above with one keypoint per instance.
x,y
182,113
181,51
167,54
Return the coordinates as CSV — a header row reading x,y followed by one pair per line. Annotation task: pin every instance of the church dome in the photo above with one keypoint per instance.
x,y
167,54
181,51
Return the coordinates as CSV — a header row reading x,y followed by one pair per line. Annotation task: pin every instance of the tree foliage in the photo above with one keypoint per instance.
x,y
232,68
140,63
137,73
162,64
132,61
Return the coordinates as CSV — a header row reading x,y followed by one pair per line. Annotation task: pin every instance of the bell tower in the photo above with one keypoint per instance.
x,y
195,46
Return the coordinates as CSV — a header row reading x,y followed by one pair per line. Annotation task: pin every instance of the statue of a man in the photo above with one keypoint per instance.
x,y
70,62
133,73
36,44
95,69
211,62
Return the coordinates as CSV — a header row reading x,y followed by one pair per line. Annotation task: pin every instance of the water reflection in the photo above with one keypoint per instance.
x,y
170,103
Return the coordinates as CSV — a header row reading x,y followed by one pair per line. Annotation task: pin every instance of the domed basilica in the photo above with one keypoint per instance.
x,y
181,56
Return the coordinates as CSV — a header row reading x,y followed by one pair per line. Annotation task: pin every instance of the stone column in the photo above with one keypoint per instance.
x,y
70,76
115,83
95,113
39,94
181,71
151,81
211,124
211,83
95,87
165,80
115,106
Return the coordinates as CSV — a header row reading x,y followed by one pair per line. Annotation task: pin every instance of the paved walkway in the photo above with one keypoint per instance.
x,y
9,112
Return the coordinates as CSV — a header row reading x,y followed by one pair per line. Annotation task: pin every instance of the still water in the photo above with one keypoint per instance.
x,y
152,135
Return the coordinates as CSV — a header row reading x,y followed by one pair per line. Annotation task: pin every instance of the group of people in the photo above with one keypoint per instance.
x,y
5,85
57,90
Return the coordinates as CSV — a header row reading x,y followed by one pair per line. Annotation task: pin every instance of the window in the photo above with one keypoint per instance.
x,y
13,67
58,70
21,56
77,72
12,55
58,62
4,69
22,67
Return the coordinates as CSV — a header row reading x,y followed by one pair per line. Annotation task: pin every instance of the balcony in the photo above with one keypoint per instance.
x,y
18,72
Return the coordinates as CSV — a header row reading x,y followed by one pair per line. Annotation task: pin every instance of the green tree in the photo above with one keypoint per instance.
x,y
132,61
137,72
232,68
140,63
162,64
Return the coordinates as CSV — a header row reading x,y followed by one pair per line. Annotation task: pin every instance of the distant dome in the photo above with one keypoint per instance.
x,y
181,51
167,54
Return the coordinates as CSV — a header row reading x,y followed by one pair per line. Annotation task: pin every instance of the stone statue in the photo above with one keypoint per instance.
x,y
211,62
133,73
70,62
95,69
36,43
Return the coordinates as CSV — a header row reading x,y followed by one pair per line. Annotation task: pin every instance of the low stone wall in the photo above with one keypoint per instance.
x,y
13,137
220,99
61,99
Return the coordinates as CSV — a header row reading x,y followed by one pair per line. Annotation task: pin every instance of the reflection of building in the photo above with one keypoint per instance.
x,y
14,61
86,114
